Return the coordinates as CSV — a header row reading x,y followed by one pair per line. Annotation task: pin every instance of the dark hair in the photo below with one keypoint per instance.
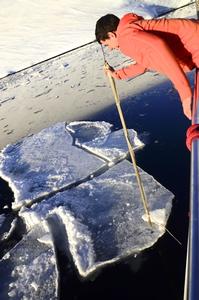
x,y
105,24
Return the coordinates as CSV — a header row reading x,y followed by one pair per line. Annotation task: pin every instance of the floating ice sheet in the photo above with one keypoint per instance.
x,y
96,137
44,163
103,216
29,269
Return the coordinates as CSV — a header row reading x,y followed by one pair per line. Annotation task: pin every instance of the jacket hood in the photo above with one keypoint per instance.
x,y
127,21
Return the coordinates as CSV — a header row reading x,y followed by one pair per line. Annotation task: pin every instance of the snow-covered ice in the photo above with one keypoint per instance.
x,y
32,31
43,163
59,90
48,161
103,216
97,138
29,269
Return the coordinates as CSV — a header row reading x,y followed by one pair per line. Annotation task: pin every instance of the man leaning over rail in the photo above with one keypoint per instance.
x,y
169,46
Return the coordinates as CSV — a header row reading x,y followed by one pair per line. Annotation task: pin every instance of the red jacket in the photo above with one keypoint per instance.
x,y
169,46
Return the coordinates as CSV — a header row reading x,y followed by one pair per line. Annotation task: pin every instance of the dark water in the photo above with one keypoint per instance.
x,y
157,273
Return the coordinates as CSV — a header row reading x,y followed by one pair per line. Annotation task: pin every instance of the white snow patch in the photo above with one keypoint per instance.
x,y
42,29
46,239
158,217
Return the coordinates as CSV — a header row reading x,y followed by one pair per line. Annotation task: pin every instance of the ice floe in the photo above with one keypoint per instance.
x,y
103,217
48,161
97,203
43,163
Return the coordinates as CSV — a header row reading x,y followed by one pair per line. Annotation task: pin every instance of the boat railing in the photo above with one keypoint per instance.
x,y
191,286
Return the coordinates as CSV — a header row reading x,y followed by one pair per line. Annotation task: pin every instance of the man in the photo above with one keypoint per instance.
x,y
169,46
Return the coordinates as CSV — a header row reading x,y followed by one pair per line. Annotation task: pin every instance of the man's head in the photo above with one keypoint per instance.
x,y
105,31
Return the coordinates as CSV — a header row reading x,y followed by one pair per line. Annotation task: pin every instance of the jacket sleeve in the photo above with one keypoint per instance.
x,y
153,53
132,70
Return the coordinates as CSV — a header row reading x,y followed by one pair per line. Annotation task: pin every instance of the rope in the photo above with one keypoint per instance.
x,y
131,151
192,134
193,130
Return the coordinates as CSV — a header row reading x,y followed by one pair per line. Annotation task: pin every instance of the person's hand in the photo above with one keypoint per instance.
x,y
109,71
186,104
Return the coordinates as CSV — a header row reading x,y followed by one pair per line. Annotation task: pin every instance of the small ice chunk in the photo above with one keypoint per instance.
x,y
158,217
7,234
7,226
34,285
45,239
